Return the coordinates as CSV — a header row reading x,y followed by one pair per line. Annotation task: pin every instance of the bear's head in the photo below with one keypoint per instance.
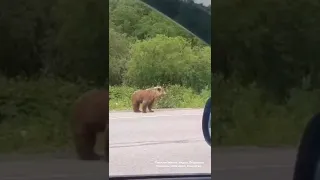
x,y
159,91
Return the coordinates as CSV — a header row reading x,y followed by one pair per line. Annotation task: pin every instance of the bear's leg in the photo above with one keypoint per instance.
x,y
136,107
85,143
150,106
144,106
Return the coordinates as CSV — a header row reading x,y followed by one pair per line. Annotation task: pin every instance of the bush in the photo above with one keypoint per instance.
x,y
34,114
243,116
118,55
168,60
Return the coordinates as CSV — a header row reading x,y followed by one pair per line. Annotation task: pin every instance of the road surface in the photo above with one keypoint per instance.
x,y
155,143
166,141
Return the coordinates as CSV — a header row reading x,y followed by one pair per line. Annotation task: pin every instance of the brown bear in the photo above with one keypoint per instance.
x,y
146,97
89,117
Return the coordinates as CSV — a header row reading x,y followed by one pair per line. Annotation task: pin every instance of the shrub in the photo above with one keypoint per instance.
x,y
168,60
34,114
243,116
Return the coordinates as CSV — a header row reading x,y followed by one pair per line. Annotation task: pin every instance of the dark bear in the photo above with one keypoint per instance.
x,y
90,115
146,97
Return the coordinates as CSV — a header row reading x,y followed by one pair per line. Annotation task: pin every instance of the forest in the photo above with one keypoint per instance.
x,y
264,81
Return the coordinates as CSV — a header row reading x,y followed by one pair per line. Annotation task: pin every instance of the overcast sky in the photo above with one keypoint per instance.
x,y
204,2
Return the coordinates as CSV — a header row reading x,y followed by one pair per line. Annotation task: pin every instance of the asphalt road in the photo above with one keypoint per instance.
x,y
166,141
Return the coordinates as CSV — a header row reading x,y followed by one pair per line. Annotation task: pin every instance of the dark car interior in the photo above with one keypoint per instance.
x,y
307,162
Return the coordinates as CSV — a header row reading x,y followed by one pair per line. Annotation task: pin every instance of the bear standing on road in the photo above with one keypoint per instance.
x,y
146,97
89,117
